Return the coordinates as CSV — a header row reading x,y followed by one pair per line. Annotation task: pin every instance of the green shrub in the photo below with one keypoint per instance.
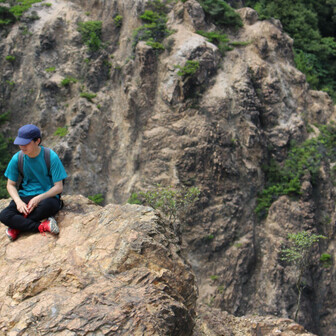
x,y
10,58
22,6
51,69
4,157
154,30
326,260
97,198
6,17
118,19
217,38
89,96
285,179
189,69
68,80
61,131
91,32
221,13
173,203
299,254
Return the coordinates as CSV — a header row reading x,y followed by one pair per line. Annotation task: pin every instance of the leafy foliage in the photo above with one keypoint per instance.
x,y
171,202
97,198
299,254
61,131
51,69
4,158
154,30
118,20
91,32
312,25
221,13
219,39
89,96
68,80
10,58
326,260
22,6
305,158
189,69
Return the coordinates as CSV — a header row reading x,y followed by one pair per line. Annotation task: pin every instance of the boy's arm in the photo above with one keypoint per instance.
x,y
20,205
55,190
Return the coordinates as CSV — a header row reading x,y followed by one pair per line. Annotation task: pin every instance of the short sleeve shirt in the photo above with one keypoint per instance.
x,y
36,179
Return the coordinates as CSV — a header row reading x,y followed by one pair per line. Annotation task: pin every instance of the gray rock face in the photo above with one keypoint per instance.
x,y
215,130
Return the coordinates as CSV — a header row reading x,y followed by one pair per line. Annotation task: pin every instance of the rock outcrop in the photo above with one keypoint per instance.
x,y
215,130
113,270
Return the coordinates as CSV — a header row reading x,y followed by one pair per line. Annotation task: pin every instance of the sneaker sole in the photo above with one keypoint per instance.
x,y
53,225
9,236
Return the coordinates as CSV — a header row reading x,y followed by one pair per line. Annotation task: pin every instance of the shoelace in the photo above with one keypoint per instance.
x,y
42,228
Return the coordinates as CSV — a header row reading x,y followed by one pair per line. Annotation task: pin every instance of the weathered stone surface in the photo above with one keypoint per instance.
x,y
213,322
112,270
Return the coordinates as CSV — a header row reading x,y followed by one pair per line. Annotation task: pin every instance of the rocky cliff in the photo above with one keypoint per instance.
x,y
116,270
215,130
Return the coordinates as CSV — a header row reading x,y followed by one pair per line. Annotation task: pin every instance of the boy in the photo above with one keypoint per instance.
x,y
38,196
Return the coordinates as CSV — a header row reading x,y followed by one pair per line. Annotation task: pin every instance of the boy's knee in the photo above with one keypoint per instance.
x,y
3,216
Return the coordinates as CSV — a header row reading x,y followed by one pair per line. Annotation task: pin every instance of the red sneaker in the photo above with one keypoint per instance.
x,y
12,234
49,225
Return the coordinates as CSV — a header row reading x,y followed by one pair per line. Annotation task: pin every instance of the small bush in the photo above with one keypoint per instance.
x,y
221,13
4,157
68,80
306,158
6,17
89,96
118,19
91,32
61,131
51,69
22,6
189,69
299,253
10,58
154,30
217,38
171,202
326,260
97,198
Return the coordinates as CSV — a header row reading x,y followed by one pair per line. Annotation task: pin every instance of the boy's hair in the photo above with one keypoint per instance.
x,y
35,139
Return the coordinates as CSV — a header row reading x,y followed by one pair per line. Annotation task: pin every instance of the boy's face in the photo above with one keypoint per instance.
x,y
32,149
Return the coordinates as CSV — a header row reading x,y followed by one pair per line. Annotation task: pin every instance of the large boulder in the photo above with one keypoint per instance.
x,y
116,269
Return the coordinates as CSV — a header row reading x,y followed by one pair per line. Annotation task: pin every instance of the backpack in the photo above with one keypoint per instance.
x,y
47,161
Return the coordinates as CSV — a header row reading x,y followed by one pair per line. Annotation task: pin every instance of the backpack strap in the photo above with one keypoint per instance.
x,y
20,163
47,158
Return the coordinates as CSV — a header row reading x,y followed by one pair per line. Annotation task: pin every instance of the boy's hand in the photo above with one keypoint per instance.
x,y
22,207
33,203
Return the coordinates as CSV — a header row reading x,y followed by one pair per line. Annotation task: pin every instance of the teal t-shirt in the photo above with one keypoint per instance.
x,y
36,180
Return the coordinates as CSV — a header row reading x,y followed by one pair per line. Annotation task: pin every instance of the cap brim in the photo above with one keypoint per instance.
x,y
21,141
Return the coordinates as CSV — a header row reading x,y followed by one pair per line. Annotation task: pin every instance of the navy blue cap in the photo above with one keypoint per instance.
x,y
26,134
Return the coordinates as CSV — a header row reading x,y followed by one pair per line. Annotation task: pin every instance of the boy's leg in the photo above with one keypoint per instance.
x,y
11,217
46,208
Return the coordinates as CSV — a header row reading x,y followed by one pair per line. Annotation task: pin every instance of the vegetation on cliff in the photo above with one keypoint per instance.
x,y
299,253
4,158
312,25
303,160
